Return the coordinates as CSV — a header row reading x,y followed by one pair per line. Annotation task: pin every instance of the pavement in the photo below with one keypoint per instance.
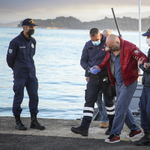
x,y
58,136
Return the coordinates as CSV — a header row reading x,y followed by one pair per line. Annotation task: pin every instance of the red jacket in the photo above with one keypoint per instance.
x,y
129,65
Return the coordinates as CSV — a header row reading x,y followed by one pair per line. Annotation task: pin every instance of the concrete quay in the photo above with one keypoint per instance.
x,y
58,136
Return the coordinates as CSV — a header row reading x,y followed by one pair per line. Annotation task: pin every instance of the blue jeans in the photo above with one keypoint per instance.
x,y
122,112
101,107
144,105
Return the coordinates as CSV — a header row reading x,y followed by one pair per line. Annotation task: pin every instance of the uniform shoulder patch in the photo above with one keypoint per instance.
x,y
10,51
32,45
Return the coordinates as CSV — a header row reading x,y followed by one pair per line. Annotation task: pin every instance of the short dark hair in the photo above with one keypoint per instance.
x,y
94,31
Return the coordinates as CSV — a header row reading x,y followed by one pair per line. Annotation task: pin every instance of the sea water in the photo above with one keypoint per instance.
x,y
61,78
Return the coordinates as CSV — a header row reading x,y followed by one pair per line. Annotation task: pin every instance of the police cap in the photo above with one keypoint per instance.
x,y
28,22
146,33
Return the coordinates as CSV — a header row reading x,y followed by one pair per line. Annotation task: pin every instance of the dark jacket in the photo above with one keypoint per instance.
x,y
146,74
93,55
129,65
20,56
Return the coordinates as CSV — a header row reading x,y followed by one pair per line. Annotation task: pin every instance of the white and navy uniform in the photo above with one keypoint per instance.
x,y
91,56
144,103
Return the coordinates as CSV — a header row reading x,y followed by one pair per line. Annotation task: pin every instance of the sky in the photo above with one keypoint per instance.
x,y
84,10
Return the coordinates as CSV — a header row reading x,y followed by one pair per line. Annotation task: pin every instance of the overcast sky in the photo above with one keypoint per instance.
x,y
85,10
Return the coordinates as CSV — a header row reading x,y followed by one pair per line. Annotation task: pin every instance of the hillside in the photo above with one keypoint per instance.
x,y
125,23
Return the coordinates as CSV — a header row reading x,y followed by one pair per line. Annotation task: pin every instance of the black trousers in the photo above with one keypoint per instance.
x,y
94,85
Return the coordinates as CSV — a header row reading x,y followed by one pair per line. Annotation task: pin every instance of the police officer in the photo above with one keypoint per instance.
x,y
20,59
144,103
93,54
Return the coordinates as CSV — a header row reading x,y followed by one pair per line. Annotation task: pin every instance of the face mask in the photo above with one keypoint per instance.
x,y
30,32
96,43
148,41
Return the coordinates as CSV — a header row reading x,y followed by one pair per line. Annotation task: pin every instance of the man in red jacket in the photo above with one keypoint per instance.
x,y
121,61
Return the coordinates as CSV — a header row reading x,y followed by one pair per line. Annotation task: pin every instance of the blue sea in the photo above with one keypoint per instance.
x,y
61,79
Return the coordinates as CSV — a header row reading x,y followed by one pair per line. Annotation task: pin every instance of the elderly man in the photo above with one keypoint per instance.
x,y
107,32
20,59
123,73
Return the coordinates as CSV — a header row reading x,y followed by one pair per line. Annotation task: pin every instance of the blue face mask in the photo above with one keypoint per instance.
x,y
96,43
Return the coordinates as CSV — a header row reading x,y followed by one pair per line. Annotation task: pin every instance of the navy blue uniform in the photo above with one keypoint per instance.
x,y
94,55
20,59
144,103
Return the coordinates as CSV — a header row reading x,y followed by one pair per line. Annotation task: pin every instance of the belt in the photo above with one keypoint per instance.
x,y
97,76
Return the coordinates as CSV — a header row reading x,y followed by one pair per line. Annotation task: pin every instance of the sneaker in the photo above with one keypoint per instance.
x,y
108,132
134,133
104,125
113,138
80,130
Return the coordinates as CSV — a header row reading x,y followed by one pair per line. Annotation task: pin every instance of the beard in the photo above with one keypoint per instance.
x,y
115,49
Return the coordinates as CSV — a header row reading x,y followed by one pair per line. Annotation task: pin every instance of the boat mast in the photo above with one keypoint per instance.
x,y
140,24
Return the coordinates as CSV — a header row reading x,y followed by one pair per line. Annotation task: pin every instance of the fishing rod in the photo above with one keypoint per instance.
x,y
116,22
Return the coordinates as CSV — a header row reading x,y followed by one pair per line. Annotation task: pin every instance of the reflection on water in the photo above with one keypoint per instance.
x,y
61,78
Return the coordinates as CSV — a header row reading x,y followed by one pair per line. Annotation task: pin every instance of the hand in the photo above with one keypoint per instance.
x,y
87,79
95,69
146,65
135,57
140,60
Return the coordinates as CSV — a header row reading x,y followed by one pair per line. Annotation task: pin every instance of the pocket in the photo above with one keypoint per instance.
x,y
21,53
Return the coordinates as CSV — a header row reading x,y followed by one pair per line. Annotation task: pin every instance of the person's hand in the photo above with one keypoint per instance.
x,y
87,79
135,57
95,69
140,61
146,65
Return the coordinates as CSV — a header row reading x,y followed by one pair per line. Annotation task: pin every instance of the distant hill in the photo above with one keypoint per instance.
x,y
125,23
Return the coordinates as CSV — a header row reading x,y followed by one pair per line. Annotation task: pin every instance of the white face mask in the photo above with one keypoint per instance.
x,y
148,41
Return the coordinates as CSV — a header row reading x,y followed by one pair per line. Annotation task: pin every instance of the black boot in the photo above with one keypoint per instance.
x,y
111,118
145,140
19,125
108,131
80,130
34,123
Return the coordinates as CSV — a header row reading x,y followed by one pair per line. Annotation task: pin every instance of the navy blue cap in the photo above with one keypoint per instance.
x,y
146,33
28,22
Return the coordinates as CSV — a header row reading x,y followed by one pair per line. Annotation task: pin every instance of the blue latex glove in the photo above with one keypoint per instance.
x,y
94,71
